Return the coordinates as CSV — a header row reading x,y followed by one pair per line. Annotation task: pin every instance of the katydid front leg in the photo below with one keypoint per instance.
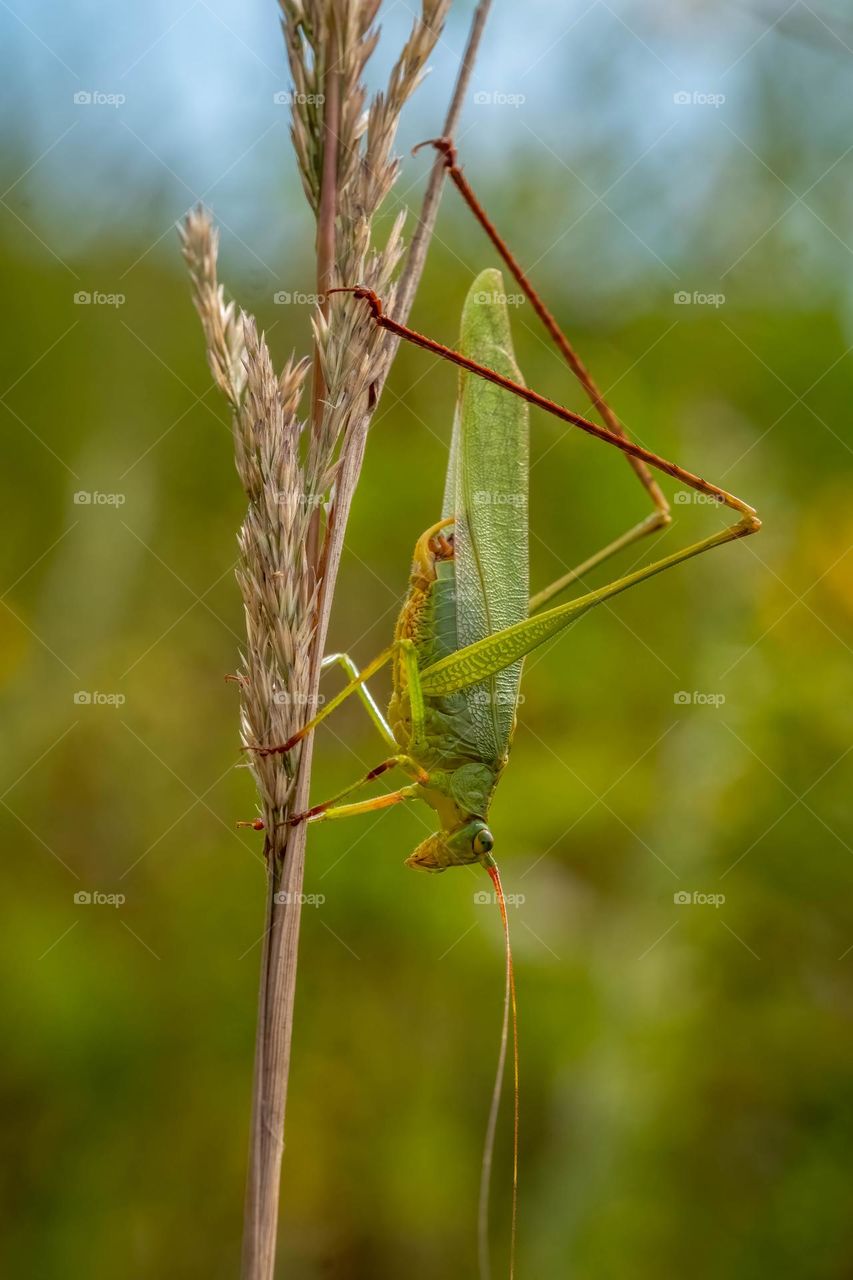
x,y
417,709
354,686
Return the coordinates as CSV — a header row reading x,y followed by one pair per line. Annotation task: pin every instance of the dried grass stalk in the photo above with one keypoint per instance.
x,y
299,468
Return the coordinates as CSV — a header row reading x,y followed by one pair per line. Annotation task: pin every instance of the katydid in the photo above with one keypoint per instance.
x,y
468,620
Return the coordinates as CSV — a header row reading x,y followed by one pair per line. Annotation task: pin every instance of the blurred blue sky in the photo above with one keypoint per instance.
x,y
631,172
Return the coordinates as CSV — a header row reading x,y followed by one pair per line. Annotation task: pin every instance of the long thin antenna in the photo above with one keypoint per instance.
x,y
749,522
510,1008
447,149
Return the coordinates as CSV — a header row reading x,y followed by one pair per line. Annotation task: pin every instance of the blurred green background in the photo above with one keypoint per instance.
x,y
686,1102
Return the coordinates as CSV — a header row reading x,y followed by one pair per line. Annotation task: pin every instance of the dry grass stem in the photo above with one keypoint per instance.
x,y
299,467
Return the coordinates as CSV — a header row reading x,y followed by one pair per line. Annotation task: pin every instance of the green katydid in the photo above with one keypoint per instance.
x,y
468,621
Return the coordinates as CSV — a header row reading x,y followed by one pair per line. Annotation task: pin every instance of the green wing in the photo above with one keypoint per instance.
x,y
486,493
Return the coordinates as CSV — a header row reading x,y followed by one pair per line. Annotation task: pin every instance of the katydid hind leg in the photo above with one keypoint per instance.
x,y
566,580
478,661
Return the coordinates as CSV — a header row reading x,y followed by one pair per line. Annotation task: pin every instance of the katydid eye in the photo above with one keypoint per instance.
x,y
483,841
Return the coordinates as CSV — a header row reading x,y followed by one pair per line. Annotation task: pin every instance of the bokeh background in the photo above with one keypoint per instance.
x,y
686,1067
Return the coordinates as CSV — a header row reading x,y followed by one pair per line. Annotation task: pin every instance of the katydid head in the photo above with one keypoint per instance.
x,y
465,844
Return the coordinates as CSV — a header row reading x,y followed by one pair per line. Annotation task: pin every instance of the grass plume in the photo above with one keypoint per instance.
x,y
298,457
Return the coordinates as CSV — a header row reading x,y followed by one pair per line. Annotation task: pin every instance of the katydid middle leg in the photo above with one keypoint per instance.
x,y
354,686
400,761
330,813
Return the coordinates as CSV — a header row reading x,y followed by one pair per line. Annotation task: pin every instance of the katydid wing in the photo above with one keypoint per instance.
x,y
486,495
